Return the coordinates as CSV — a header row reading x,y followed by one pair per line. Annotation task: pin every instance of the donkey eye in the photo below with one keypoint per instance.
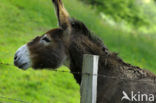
x,y
46,39
73,24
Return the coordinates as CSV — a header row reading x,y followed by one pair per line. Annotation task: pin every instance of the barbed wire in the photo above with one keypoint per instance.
x,y
98,75
78,73
7,64
17,100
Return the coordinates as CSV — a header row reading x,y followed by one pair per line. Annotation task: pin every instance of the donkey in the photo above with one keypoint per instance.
x,y
68,43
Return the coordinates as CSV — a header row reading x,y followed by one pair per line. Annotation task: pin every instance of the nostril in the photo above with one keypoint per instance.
x,y
15,58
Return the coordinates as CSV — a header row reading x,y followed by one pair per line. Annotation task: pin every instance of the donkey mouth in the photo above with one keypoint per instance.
x,y
23,66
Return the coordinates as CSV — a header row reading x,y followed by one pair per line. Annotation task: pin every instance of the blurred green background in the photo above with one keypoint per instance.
x,y
126,26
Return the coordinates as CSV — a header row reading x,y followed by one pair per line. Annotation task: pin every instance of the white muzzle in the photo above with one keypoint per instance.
x,y
22,58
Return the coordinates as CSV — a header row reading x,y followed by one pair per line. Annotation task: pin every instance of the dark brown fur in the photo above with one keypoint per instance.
x,y
50,56
82,42
74,40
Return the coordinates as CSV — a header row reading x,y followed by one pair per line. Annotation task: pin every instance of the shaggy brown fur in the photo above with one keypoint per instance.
x,y
71,41
125,76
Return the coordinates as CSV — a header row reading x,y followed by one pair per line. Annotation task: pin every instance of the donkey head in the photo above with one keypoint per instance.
x,y
50,49
54,47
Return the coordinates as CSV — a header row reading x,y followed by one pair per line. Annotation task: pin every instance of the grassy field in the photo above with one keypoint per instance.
x,y
22,20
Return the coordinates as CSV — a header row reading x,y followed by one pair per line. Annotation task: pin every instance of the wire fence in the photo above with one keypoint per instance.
x,y
78,73
8,98
12,99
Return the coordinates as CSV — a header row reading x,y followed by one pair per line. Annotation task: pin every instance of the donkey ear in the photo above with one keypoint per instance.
x,y
62,15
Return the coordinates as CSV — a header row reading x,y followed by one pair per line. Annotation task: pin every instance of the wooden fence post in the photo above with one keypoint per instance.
x,y
89,78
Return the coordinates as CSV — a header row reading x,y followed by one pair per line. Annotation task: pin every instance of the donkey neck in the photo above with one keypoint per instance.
x,y
109,63
83,45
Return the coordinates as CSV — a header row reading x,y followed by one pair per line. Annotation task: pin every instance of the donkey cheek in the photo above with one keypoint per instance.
x,y
42,65
53,62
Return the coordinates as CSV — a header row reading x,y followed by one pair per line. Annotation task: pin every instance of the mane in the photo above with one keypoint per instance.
x,y
86,32
108,59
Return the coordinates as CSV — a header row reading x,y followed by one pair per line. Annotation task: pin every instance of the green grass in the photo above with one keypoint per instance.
x,y
22,20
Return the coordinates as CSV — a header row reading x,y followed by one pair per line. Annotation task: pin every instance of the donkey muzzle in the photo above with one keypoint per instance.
x,y
22,58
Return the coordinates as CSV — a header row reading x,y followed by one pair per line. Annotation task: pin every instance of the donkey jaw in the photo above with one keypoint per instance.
x,y
22,58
